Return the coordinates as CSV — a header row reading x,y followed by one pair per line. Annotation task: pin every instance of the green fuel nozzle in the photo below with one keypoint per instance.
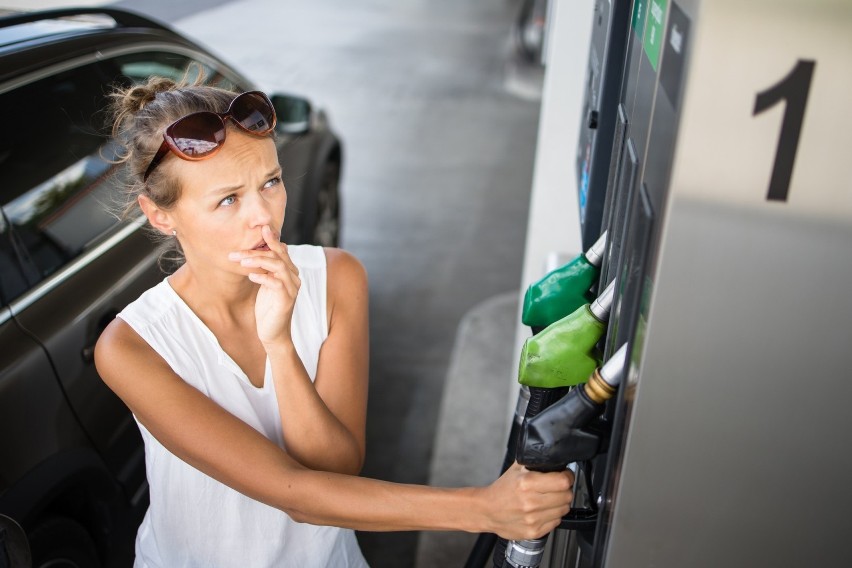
x,y
563,354
563,290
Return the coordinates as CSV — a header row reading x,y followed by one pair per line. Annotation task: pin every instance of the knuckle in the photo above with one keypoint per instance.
x,y
532,532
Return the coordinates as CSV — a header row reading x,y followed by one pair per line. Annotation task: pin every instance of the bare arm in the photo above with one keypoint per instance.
x,y
324,422
520,504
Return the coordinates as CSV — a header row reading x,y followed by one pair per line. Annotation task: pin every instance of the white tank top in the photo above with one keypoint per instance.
x,y
194,520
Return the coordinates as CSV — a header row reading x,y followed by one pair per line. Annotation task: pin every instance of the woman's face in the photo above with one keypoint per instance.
x,y
227,199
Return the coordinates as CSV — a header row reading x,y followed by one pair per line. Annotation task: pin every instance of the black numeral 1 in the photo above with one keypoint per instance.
x,y
794,89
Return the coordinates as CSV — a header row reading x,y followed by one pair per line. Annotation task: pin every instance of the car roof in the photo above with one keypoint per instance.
x,y
18,27
32,40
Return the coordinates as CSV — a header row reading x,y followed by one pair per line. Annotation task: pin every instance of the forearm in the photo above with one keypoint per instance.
x,y
332,499
312,433
372,505
261,470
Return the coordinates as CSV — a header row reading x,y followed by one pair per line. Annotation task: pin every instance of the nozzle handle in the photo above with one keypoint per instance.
x,y
595,254
603,303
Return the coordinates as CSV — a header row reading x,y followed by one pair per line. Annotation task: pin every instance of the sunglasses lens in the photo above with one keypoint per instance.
x,y
253,112
198,134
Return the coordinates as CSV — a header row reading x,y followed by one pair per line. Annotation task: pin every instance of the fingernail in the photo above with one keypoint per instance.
x,y
247,262
234,256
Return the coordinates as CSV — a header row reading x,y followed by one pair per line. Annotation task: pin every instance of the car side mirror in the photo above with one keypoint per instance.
x,y
294,113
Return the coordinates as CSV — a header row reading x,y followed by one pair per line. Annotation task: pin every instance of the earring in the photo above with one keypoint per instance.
x,y
174,232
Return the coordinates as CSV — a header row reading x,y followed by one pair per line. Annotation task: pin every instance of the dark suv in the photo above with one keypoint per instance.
x,y
72,469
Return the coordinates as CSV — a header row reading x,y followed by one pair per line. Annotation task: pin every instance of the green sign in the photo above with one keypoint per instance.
x,y
638,22
653,38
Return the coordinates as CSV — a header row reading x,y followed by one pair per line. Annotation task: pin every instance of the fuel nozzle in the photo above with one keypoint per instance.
x,y
563,290
564,353
557,437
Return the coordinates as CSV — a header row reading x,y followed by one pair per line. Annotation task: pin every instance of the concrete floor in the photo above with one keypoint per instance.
x,y
473,422
438,167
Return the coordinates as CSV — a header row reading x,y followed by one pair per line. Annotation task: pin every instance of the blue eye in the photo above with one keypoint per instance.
x,y
272,182
228,201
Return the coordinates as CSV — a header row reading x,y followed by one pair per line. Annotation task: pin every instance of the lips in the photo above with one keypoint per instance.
x,y
261,244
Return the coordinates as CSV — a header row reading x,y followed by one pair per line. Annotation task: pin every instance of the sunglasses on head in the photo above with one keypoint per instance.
x,y
200,135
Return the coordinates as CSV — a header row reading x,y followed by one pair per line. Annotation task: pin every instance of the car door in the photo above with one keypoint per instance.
x,y
83,264
35,420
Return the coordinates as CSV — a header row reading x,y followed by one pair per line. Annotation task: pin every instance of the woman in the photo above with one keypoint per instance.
x,y
246,369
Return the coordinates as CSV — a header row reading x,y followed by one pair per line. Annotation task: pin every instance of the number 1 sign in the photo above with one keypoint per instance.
x,y
766,111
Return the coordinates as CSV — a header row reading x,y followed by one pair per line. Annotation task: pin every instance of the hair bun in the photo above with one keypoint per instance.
x,y
135,98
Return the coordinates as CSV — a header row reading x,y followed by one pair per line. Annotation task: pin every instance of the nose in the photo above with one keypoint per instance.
x,y
258,210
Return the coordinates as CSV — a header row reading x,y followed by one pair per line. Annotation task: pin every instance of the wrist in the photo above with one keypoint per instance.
x,y
280,348
476,511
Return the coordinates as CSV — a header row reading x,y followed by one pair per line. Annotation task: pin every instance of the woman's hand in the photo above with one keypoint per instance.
x,y
279,285
526,504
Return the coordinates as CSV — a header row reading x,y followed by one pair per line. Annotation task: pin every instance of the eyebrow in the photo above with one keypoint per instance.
x,y
231,188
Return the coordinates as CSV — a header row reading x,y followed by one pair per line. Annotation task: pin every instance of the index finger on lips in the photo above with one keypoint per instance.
x,y
279,248
285,256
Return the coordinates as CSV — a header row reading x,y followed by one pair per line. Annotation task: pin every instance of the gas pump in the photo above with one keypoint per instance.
x,y
728,157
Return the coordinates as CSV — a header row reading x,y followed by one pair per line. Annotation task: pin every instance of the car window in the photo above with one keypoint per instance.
x,y
12,280
56,162
139,66
54,181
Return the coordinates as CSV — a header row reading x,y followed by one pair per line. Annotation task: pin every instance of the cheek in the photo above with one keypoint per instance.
x,y
281,202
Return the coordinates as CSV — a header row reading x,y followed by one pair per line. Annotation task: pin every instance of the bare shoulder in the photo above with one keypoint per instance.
x,y
345,271
347,281
120,348
118,338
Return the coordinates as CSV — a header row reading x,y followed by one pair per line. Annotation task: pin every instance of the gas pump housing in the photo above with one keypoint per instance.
x,y
728,201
